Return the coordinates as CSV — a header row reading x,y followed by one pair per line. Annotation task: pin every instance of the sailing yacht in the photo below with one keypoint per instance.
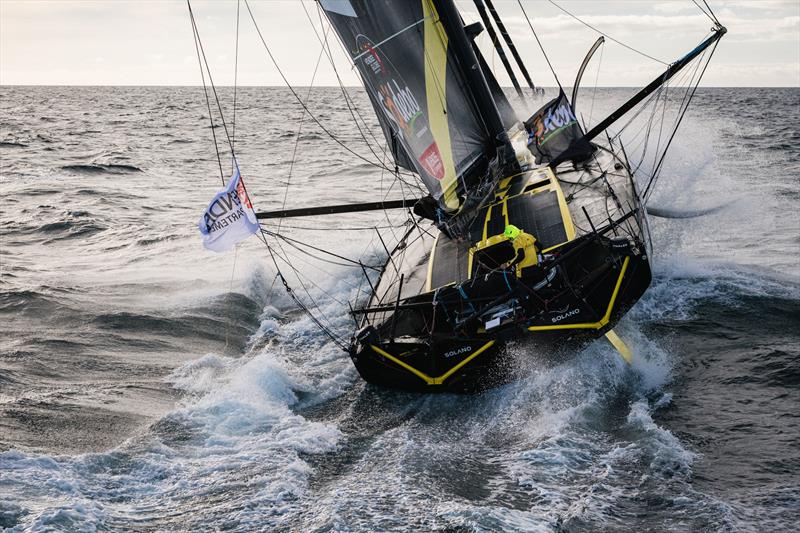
x,y
533,232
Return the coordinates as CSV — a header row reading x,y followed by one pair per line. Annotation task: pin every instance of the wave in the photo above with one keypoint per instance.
x,y
12,144
32,303
71,229
99,168
229,318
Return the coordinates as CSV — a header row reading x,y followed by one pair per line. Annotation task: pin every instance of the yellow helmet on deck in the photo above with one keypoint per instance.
x,y
512,232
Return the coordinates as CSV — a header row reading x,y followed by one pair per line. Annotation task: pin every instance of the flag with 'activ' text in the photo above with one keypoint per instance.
x,y
229,218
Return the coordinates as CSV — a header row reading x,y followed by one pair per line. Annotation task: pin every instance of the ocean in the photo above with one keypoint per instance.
x,y
149,385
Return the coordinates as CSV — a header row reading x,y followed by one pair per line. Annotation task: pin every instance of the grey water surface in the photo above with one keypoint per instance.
x,y
149,385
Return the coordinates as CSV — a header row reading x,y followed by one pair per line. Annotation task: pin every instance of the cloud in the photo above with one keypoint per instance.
x,y
57,42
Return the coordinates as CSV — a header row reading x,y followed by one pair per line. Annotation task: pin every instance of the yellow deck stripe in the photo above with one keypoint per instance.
x,y
486,221
591,325
436,95
566,216
425,377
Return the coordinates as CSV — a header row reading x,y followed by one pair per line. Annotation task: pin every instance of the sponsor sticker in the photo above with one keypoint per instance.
x,y
562,316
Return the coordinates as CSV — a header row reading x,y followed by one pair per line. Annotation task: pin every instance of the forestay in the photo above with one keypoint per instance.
x,y
418,91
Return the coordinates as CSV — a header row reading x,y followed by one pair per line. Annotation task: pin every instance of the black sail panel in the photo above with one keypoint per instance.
x,y
420,96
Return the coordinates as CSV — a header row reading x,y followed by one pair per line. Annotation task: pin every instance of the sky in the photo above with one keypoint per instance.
x,y
119,42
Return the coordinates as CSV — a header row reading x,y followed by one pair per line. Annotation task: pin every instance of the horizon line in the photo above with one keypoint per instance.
x,y
361,86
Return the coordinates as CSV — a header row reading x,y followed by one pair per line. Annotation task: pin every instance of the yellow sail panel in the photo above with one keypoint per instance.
x,y
436,93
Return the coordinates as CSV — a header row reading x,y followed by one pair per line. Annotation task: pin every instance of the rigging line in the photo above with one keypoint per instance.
x,y
661,124
211,80
303,307
308,279
677,125
205,90
297,97
691,80
663,114
319,268
289,239
641,108
708,13
299,130
385,212
309,254
596,79
303,285
323,271
606,35
235,84
540,45
702,9
712,13
389,38
291,293
682,108
351,106
327,50
647,127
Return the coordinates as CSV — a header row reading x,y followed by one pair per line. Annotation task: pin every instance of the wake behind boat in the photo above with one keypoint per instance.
x,y
531,231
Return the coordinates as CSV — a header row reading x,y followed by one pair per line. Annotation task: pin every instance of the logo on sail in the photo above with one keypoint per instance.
x,y
401,104
431,161
401,107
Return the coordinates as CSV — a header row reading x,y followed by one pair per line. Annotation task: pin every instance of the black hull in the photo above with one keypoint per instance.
x,y
470,360
446,310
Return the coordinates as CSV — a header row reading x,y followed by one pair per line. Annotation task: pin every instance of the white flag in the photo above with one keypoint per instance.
x,y
229,218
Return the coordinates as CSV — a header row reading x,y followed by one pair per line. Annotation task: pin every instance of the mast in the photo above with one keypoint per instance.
x,y
451,21
655,84
497,46
509,43
462,48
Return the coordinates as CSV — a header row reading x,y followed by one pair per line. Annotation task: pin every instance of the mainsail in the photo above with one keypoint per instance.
x,y
419,91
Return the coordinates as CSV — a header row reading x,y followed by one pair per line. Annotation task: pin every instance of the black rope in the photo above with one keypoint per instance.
x,y
205,90
211,81
713,16
606,35
297,97
235,85
347,99
289,239
657,170
262,233
540,44
303,307
297,137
